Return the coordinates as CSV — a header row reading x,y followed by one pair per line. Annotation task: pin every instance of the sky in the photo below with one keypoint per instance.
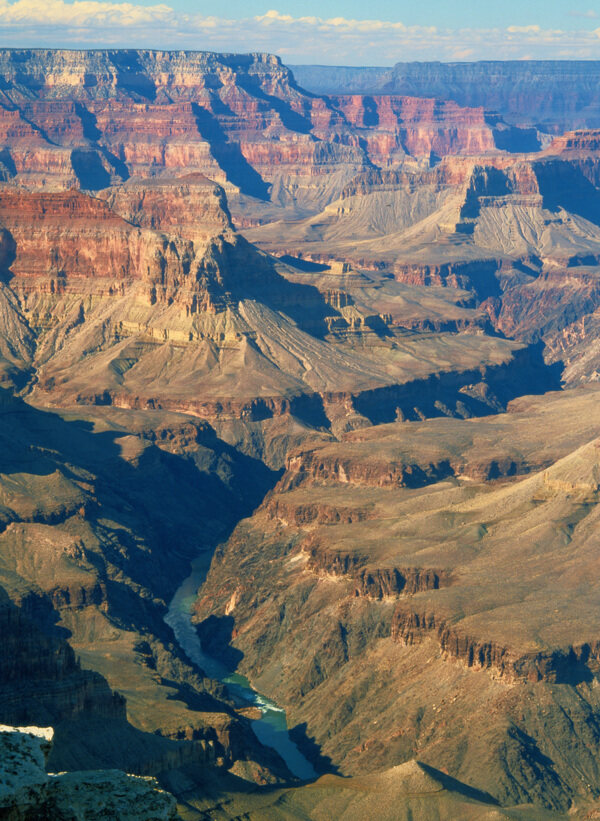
x,y
328,32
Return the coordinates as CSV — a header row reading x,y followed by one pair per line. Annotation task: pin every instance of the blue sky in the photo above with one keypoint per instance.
x,y
379,32
444,13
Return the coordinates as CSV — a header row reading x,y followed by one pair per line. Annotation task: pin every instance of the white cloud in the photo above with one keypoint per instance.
x,y
81,13
336,40
590,13
524,29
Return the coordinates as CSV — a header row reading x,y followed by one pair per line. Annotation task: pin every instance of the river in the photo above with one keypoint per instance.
x,y
271,728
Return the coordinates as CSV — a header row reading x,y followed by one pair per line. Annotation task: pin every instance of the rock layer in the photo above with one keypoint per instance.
x,y
448,592
553,94
92,118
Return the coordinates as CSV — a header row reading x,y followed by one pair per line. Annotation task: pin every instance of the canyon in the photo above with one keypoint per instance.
x,y
458,551
554,95
336,355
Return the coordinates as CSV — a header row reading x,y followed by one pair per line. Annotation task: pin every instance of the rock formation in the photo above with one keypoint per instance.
x,y
448,591
553,95
95,538
312,338
27,792
520,233
88,119
412,791
88,279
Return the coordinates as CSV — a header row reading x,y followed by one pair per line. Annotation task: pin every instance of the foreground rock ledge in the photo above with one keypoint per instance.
x,y
28,792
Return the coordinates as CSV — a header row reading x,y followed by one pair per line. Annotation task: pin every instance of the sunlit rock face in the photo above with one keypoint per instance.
x,y
27,792
409,581
93,118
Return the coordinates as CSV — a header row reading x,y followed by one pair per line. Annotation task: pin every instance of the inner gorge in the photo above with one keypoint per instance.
x,y
300,442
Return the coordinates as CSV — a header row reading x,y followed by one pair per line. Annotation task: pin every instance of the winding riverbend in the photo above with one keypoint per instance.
x,y
271,728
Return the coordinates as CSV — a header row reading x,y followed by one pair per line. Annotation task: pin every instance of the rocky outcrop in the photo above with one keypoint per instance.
x,y
582,140
570,665
27,792
41,678
462,394
520,234
191,206
142,301
312,466
73,243
306,512
376,583
480,274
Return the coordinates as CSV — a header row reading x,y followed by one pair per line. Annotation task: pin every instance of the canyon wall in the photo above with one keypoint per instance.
x,y
89,119
328,402
553,95
95,538
389,629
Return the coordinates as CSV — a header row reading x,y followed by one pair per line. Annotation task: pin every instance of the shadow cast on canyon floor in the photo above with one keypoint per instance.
x,y
311,750
453,785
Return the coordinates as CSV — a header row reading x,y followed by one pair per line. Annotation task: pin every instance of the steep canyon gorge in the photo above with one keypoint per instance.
x,y
340,349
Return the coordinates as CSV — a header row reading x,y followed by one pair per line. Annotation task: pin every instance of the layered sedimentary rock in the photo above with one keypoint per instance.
x,y
41,678
451,592
425,272
552,94
423,127
520,233
94,118
145,297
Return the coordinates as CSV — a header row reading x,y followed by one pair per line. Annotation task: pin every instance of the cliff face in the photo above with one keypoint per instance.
x,y
553,95
520,233
92,118
394,626
145,297
423,127
97,117
192,206
41,679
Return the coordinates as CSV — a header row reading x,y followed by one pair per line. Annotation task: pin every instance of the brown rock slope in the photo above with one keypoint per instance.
x,y
428,590
522,234
188,316
412,791
95,537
